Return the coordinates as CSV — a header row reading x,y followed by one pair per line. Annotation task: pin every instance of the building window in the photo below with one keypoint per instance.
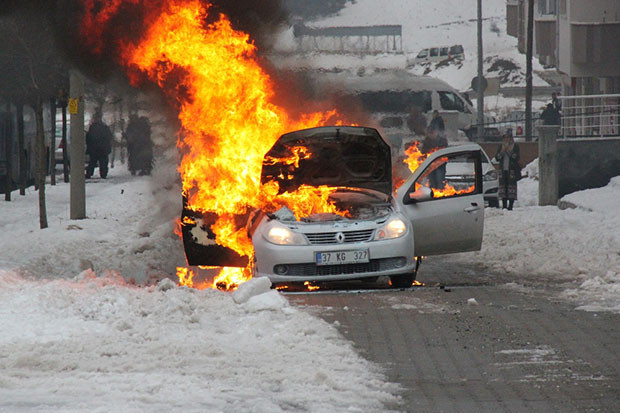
x,y
546,7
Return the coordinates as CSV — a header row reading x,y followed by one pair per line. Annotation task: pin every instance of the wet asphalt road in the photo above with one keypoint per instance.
x,y
467,343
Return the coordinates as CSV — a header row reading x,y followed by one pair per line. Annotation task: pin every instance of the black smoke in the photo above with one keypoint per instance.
x,y
259,18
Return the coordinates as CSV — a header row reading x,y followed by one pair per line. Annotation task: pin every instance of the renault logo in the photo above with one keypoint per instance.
x,y
340,237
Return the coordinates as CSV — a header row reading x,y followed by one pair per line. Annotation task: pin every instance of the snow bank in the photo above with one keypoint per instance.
x,y
577,250
100,343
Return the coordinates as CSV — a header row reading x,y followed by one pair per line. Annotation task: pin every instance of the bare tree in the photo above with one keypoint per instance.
x,y
31,71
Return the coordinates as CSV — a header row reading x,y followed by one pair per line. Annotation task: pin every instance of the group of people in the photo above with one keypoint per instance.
x,y
99,139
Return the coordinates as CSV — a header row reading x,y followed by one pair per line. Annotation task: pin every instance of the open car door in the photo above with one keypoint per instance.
x,y
446,210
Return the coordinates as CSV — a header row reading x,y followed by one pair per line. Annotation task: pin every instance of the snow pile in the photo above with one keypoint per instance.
x,y
101,343
577,249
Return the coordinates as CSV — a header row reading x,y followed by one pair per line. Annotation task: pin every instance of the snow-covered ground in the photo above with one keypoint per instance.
x,y
75,338
79,334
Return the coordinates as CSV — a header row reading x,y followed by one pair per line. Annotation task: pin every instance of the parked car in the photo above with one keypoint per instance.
x,y
515,121
386,230
438,54
490,134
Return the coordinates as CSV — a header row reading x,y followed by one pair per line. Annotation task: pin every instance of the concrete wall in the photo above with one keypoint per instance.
x,y
587,163
583,163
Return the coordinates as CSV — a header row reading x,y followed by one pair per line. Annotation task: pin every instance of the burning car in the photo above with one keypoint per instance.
x,y
371,231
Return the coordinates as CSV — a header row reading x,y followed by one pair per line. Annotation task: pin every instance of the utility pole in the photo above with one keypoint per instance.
x,y
528,72
77,174
480,89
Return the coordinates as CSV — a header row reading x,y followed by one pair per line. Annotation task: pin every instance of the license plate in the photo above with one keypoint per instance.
x,y
342,257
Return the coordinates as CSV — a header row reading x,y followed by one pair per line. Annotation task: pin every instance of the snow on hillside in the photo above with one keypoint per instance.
x,y
424,24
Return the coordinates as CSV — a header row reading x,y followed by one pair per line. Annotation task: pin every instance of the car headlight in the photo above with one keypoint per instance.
x,y
284,236
490,176
394,228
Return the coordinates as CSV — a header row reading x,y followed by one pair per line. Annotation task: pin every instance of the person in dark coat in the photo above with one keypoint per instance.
x,y
98,145
509,171
550,116
437,125
139,145
434,140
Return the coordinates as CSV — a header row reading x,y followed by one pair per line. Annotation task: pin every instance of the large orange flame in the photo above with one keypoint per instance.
x,y
226,109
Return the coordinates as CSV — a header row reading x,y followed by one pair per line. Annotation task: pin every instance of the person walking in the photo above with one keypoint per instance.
x,y
509,171
98,145
139,145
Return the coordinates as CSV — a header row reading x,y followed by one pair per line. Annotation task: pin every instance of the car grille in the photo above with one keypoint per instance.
x,y
383,264
322,238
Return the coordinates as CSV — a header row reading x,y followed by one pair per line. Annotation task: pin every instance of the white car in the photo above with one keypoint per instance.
x,y
383,234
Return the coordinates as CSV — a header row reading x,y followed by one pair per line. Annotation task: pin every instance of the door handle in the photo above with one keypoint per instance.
x,y
472,208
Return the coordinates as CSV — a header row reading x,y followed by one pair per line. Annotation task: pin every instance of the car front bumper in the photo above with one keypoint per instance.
x,y
386,257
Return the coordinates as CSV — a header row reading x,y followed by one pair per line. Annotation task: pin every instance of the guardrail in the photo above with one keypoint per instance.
x,y
590,116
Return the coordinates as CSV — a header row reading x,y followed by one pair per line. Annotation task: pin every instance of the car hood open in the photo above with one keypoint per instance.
x,y
332,155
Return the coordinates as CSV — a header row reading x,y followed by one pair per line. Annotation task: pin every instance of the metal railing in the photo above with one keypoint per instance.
x,y
590,116
493,131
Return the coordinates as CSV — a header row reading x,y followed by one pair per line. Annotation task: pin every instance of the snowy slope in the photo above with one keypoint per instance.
x,y
424,24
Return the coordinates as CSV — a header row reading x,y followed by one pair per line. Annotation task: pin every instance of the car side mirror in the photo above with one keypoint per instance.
x,y
419,195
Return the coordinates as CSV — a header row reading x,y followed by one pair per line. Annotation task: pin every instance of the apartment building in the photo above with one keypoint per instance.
x,y
581,39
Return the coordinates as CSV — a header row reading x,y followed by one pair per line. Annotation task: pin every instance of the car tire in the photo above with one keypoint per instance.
x,y
403,280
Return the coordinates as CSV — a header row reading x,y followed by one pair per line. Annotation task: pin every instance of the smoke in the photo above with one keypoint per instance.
x,y
98,57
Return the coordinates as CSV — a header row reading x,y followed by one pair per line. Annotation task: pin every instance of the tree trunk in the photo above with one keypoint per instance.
x,y
9,155
20,147
528,73
41,161
53,142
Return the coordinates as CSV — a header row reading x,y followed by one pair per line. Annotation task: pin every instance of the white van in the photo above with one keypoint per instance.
x,y
401,104
438,54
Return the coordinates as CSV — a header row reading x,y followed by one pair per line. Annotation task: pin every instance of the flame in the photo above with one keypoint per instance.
x,y
185,276
228,278
226,108
414,156
229,121
311,287
414,159
298,153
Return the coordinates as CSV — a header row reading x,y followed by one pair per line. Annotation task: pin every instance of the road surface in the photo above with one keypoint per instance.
x,y
467,342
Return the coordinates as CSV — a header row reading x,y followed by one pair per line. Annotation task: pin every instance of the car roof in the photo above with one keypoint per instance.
x,y
391,80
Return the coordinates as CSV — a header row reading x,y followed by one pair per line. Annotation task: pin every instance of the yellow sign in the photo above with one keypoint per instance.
x,y
73,106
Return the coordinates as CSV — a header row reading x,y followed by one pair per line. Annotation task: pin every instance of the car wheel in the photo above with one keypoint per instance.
x,y
402,280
